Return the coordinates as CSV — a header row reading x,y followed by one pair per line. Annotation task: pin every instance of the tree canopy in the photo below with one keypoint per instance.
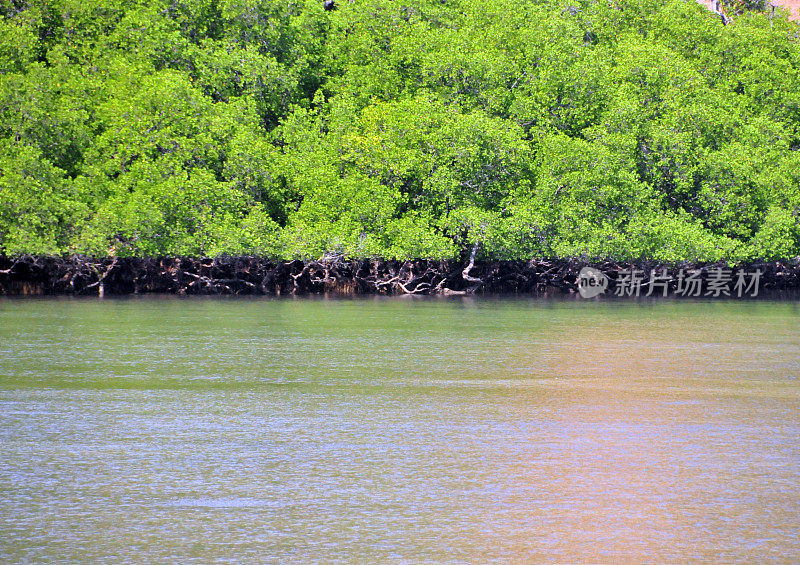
x,y
398,129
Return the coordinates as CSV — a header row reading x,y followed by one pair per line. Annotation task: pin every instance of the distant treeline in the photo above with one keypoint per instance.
x,y
398,129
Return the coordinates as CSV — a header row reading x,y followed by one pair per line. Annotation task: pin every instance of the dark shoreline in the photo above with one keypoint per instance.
x,y
28,275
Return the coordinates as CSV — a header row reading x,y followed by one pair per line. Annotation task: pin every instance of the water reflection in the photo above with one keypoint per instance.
x,y
380,430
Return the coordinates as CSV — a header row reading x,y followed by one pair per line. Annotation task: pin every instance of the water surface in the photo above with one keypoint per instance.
x,y
177,430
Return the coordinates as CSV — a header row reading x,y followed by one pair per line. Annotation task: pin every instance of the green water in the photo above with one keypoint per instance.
x,y
179,430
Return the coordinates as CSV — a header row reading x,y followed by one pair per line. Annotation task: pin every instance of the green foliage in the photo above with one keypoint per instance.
x,y
415,129
38,208
182,215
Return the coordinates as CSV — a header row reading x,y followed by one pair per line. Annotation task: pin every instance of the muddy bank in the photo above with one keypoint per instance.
x,y
258,276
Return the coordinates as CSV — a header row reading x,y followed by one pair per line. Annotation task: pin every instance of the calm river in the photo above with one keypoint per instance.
x,y
178,430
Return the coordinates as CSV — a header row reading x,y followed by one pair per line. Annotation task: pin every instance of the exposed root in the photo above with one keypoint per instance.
x,y
328,274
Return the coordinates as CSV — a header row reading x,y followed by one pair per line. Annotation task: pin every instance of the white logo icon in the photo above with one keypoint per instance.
x,y
591,282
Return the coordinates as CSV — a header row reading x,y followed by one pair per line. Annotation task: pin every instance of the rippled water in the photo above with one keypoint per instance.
x,y
171,430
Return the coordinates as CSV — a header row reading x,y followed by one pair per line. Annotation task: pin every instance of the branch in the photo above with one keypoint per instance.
x,y
465,273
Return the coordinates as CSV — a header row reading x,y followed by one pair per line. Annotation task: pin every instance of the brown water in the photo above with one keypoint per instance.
x,y
179,430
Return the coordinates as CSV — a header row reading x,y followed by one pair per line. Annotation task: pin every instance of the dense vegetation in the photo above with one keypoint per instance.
x,y
398,128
